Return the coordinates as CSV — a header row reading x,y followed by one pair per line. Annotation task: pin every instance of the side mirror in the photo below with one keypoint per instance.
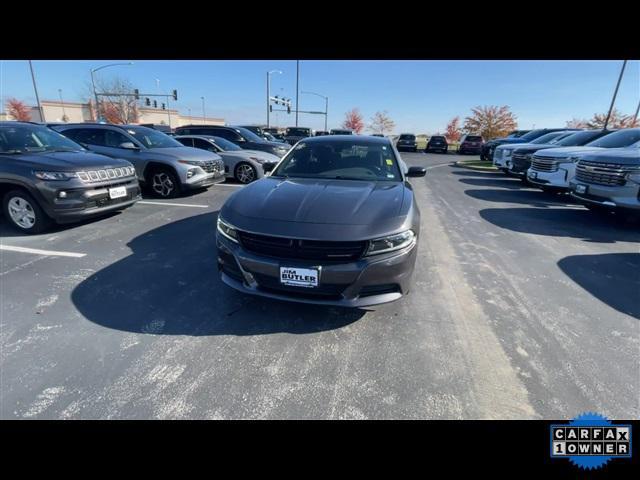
x,y
417,172
268,167
128,146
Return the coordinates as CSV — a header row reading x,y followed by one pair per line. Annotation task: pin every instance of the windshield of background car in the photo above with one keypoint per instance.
x,y
407,137
435,137
340,160
249,135
548,138
621,138
33,138
532,135
298,132
580,138
225,144
153,138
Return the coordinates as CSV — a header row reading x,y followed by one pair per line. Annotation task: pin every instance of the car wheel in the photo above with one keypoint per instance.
x,y
24,213
245,173
164,183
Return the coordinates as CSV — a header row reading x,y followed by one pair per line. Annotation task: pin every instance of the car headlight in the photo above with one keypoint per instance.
x,y
195,163
256,159
55,175
391,243
227,230
634,176
507,152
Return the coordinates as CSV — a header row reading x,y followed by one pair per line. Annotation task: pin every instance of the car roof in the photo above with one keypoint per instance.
x,y
204,137
362,139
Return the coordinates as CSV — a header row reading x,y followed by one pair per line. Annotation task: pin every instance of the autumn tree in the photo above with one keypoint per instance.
x,y
576,123
353,120
490,121
120,108
454,131
617,120
381,123
18,110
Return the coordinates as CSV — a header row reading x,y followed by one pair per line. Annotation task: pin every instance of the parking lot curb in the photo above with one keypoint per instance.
x,y
472,167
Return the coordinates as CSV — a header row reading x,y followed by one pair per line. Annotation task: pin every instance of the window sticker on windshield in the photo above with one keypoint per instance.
x,y
132,132
389,161
390,175
384,148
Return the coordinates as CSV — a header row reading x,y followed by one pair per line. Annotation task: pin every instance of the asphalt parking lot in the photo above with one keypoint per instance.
x,y
525,305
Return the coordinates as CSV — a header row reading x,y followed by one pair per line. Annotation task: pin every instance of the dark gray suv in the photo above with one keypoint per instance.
x,y
46,177
336,223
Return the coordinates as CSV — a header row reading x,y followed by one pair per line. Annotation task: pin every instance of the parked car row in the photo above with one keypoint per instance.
x,y
599,168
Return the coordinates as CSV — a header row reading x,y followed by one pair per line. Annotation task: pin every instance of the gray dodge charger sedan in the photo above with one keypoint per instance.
x,y
335,223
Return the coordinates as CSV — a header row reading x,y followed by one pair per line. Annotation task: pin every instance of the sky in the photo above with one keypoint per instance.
x,y
420,96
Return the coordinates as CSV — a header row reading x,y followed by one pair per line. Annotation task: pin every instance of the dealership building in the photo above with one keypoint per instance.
x,y
70,112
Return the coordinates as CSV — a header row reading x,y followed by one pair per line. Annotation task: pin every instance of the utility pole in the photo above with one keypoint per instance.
x,y
35,89
204,115
297,87
615,94
64,114
269,93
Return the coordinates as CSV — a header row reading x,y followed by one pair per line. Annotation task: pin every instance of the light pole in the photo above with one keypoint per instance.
x,y
269,92
64,113
93,83
615,94
35,89
297,87
204,115
326,106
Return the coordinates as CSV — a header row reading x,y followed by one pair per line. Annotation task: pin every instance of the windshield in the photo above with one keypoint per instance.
x,y
532,135
621,138
340,160
580,138
33,138
151,138
298,131
549,137
249,135
225,145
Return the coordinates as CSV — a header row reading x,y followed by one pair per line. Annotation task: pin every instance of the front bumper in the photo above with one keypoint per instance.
x,y
558,180
368,281
625,197
86,201
204,180
407,146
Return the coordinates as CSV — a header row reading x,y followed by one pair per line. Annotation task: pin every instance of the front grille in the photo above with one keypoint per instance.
x,y
212,166
607,174
521,161
290,248
266,282
89,176
544,164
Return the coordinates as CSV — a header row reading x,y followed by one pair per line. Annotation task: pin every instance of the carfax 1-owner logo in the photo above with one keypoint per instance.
x,y
590,440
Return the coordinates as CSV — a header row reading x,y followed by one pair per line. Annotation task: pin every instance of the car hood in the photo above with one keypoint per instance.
x,y
564,152
267,157
184,153
617,156
68,161
321,209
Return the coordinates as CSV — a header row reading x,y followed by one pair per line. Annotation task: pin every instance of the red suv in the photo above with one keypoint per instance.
x,y
470,144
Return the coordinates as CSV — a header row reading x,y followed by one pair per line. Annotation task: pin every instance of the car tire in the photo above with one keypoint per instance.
x,y
163,183
245,173
23,212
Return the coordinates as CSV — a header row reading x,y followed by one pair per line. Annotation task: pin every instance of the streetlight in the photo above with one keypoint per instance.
x,y
35,89
326,106
269,91
64,113
204,115
93,82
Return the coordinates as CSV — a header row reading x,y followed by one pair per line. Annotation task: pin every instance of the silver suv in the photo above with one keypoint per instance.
x,y
163,165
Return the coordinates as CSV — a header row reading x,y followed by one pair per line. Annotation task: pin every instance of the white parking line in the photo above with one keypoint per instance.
x,y
173,204
37,251
228,185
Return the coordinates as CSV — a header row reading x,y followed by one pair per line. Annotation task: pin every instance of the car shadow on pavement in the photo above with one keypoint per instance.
x,y
6,231
505,182
613,278
578,223
170,285
535,198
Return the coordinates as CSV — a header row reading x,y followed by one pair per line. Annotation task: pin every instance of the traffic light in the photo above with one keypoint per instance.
x,y
147,102
288,108
136,94
271,108
175,95
277,100
155,104
163,106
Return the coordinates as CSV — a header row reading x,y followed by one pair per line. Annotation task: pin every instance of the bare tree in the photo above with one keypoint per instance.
x,y
381,123
121,107
490,121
